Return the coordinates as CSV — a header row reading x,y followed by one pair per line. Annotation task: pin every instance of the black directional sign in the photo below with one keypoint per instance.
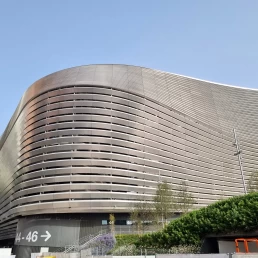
x,y
47,232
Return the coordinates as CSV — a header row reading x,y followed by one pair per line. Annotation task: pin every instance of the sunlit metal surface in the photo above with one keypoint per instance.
x,y
98,138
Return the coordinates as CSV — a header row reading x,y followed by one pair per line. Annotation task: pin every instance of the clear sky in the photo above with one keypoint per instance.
x,y
213,40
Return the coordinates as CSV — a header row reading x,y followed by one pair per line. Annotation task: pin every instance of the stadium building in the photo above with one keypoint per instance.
x,y
92,140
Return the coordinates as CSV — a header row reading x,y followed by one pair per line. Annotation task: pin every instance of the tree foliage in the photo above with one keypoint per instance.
x,y
184,199
126,239
142,214
232,215
164,203
112,221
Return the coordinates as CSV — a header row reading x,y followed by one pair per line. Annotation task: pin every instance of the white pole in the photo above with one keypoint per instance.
x,y
240,160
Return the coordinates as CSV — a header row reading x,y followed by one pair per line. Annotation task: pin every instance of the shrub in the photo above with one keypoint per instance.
x,y
126,239
231,215
125,245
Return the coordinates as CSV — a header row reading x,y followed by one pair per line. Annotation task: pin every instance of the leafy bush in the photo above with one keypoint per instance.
x,y
124,245
185,249
132,250
181,249
125,250
231,215
126,239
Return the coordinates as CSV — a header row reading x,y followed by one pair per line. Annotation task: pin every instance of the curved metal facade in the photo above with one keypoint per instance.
x,y
96,138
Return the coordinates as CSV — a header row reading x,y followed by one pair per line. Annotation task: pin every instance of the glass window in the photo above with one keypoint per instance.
x,y
104,222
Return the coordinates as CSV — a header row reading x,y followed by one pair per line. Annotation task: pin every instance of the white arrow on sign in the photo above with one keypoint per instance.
x,y
47,236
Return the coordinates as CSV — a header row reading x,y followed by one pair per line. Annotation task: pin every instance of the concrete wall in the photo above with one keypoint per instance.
x,y
192,256
84,255
245,255
77,255
136,256
63,255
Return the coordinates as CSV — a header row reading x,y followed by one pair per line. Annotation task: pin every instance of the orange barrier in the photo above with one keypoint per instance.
x,y
245,241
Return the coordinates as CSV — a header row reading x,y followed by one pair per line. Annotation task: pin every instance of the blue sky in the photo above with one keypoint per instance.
x,y
213,40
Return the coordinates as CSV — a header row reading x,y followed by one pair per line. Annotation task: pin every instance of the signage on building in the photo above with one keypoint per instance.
x,y
47,232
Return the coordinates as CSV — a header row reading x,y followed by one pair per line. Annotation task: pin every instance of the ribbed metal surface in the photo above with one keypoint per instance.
x,y
98,138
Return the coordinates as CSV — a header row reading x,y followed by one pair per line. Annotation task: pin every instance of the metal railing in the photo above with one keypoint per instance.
x,y
84,242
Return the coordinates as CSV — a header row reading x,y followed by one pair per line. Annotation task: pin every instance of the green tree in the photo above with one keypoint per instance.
x,y
112,221
142,216
164,202
184,199
252,185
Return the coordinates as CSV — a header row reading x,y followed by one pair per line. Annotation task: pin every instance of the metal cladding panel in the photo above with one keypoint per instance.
x,y
38,232
242,255
99,138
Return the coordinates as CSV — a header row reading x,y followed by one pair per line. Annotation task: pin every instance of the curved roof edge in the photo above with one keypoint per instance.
x,y
47,80
153,69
